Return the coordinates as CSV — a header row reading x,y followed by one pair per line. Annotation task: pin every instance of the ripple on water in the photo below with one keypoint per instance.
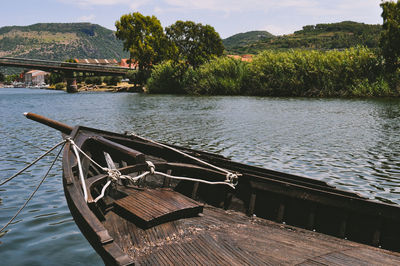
x,y
351,144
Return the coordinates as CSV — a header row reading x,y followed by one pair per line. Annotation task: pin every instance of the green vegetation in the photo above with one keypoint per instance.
x,y
328,62
60,41
144,38
341,35
148,44
390,39
112,81
352,72
237,42
2,77
195,43
223,76
315,73
11,78
171,77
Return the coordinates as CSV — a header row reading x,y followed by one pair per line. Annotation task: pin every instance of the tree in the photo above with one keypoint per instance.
x,y
390,38
144,38
2,77
196,43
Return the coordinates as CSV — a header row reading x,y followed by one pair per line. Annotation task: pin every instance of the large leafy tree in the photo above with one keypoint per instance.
x,y
144,38
196,43
390,38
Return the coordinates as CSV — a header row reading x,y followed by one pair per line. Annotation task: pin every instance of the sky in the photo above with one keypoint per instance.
x,y
228,17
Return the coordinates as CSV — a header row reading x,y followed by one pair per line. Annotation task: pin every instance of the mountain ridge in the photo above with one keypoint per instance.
x,y
325,36
60,41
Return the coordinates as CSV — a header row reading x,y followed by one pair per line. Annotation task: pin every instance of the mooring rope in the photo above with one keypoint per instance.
x,y
152,171
32,163
229,175
23,141
231,178
36,189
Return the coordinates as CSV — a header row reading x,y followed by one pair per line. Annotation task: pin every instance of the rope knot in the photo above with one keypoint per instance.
x,y
151,166
114,174
232,178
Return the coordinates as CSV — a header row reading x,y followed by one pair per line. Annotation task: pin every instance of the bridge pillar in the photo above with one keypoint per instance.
x,y
71,82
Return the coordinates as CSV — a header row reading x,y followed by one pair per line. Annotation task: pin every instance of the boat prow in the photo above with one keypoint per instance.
x,y
138,201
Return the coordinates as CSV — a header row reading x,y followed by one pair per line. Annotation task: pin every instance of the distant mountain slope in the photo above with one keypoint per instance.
x,y
60,41
321,36
243,39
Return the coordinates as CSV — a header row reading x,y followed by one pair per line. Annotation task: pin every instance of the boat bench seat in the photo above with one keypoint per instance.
x,y
151,207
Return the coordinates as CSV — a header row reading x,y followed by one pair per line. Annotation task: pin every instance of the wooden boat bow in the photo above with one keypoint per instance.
x,y
160,220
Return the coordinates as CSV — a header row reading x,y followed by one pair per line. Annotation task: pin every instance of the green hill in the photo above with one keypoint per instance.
x,y
340,35
60,41
244,39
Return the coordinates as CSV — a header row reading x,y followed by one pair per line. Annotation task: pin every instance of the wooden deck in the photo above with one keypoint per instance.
x,y
219,237
154,206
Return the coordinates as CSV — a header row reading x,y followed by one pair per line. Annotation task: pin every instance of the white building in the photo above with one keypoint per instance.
x,y
35,77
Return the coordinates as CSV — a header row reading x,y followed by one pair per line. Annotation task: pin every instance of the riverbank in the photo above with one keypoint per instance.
x,y
354,72
120,87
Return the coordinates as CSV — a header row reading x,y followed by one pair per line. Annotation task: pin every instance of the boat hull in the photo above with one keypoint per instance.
x,y
266,198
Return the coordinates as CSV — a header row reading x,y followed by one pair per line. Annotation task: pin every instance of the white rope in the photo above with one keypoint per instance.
x,y
114,174
105,169
34,192
32,163
103,191
152,171
229,175
196,180
78,159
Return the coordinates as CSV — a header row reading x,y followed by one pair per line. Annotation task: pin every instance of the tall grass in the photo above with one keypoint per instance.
x,y
221,76
354,72
313,73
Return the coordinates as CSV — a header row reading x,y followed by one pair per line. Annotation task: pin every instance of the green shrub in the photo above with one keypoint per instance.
x,y
94,80
354,72
171,77
221,76
312,73
112,80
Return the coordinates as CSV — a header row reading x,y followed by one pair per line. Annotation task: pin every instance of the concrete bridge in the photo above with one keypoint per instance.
x,y
69,70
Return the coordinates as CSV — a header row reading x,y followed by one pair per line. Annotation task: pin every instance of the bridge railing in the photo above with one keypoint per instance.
x,y
62,65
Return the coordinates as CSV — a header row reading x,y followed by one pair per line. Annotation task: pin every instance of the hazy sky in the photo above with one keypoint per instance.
x,y
228,17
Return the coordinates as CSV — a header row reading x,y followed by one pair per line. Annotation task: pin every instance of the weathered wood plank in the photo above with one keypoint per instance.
x,y
151,207
231,238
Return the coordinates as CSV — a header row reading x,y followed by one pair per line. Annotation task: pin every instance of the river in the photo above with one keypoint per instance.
x,y
353,144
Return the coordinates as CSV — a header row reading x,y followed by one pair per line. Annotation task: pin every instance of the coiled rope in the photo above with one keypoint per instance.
x,y
38,186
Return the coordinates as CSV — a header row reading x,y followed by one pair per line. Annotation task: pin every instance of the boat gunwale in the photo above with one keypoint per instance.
x,y
93,230
347,201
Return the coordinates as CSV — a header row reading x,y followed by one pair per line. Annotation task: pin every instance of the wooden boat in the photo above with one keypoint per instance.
x,y
228,213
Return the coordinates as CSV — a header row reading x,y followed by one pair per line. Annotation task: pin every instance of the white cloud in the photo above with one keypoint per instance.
x,y
88,18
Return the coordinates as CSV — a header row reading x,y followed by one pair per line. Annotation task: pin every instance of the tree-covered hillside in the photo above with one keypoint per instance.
x,y
60,41
340,35
244,39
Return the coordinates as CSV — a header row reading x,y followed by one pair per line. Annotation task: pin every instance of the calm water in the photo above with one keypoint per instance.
x,y
352,144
